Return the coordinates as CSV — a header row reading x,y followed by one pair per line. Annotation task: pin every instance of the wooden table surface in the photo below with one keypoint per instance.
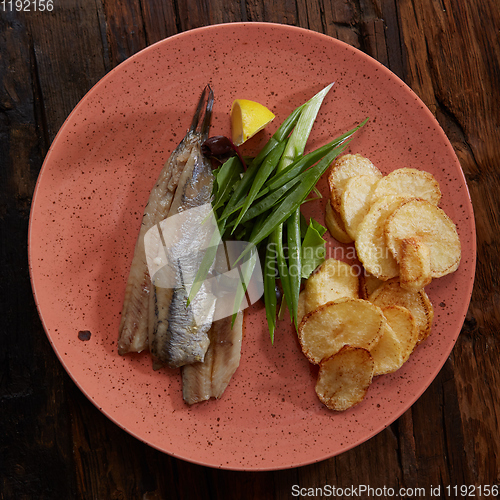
x,y
54,444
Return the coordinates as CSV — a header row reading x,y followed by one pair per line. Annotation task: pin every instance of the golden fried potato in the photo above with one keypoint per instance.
x,y
370,244
301,306
344,378
345,167
335,224
430,224
387,353
324,331
414,264
401,320
417,302
332,280
355,201
409,182
368,284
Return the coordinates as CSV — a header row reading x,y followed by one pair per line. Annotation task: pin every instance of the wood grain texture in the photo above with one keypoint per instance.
x,y
53,442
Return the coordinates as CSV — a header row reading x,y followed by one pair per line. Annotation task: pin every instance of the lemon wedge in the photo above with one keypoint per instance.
x,y
248,118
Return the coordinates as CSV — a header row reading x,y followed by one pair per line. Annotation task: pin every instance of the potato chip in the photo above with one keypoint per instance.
x,y
423,220
414,264
409,182
301,306
355,201
324,331
370,244
401,320
417,302
332,280
368,284
387,353
344,378
335,224
345,167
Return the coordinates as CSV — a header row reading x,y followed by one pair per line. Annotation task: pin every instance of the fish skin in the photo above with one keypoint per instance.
x,y
177,337
135,331
209,379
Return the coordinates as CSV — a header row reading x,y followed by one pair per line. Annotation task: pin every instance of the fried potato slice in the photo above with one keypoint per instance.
x,y
335,224
417,302
370,244
355,322
301,306
368,284
409,182
414,264
332,280
344,378
345,167
355,201
430,224
401,320
387,353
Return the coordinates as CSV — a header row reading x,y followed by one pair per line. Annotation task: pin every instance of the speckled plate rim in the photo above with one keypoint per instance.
x,y
327,40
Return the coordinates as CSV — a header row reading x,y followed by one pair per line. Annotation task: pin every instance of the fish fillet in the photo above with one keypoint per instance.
x,y
180,331
133,329
209,379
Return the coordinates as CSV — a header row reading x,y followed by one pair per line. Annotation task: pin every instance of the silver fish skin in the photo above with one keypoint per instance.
x,y
134,331
179,332
209,379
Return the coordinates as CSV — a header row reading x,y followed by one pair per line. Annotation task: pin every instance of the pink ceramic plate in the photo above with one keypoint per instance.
x,y
87,210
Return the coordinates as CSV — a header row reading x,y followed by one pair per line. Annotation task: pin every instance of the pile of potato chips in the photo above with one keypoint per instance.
x,y
358,325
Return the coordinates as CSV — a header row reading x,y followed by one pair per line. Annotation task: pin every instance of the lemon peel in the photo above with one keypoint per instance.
x,y
248,118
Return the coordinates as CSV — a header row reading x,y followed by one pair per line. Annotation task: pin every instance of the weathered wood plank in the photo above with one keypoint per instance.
x,y
453,65
282,11
125,29
196,13
65,75
35,447
160,20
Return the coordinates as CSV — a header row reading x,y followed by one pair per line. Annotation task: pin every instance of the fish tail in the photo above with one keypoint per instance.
x,y
206,101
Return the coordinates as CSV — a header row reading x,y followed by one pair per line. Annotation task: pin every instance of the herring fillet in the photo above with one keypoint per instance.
x,y
133,329
133,332
209,379
179,332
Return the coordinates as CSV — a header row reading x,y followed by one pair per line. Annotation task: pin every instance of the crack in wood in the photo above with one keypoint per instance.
x,y
39,111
